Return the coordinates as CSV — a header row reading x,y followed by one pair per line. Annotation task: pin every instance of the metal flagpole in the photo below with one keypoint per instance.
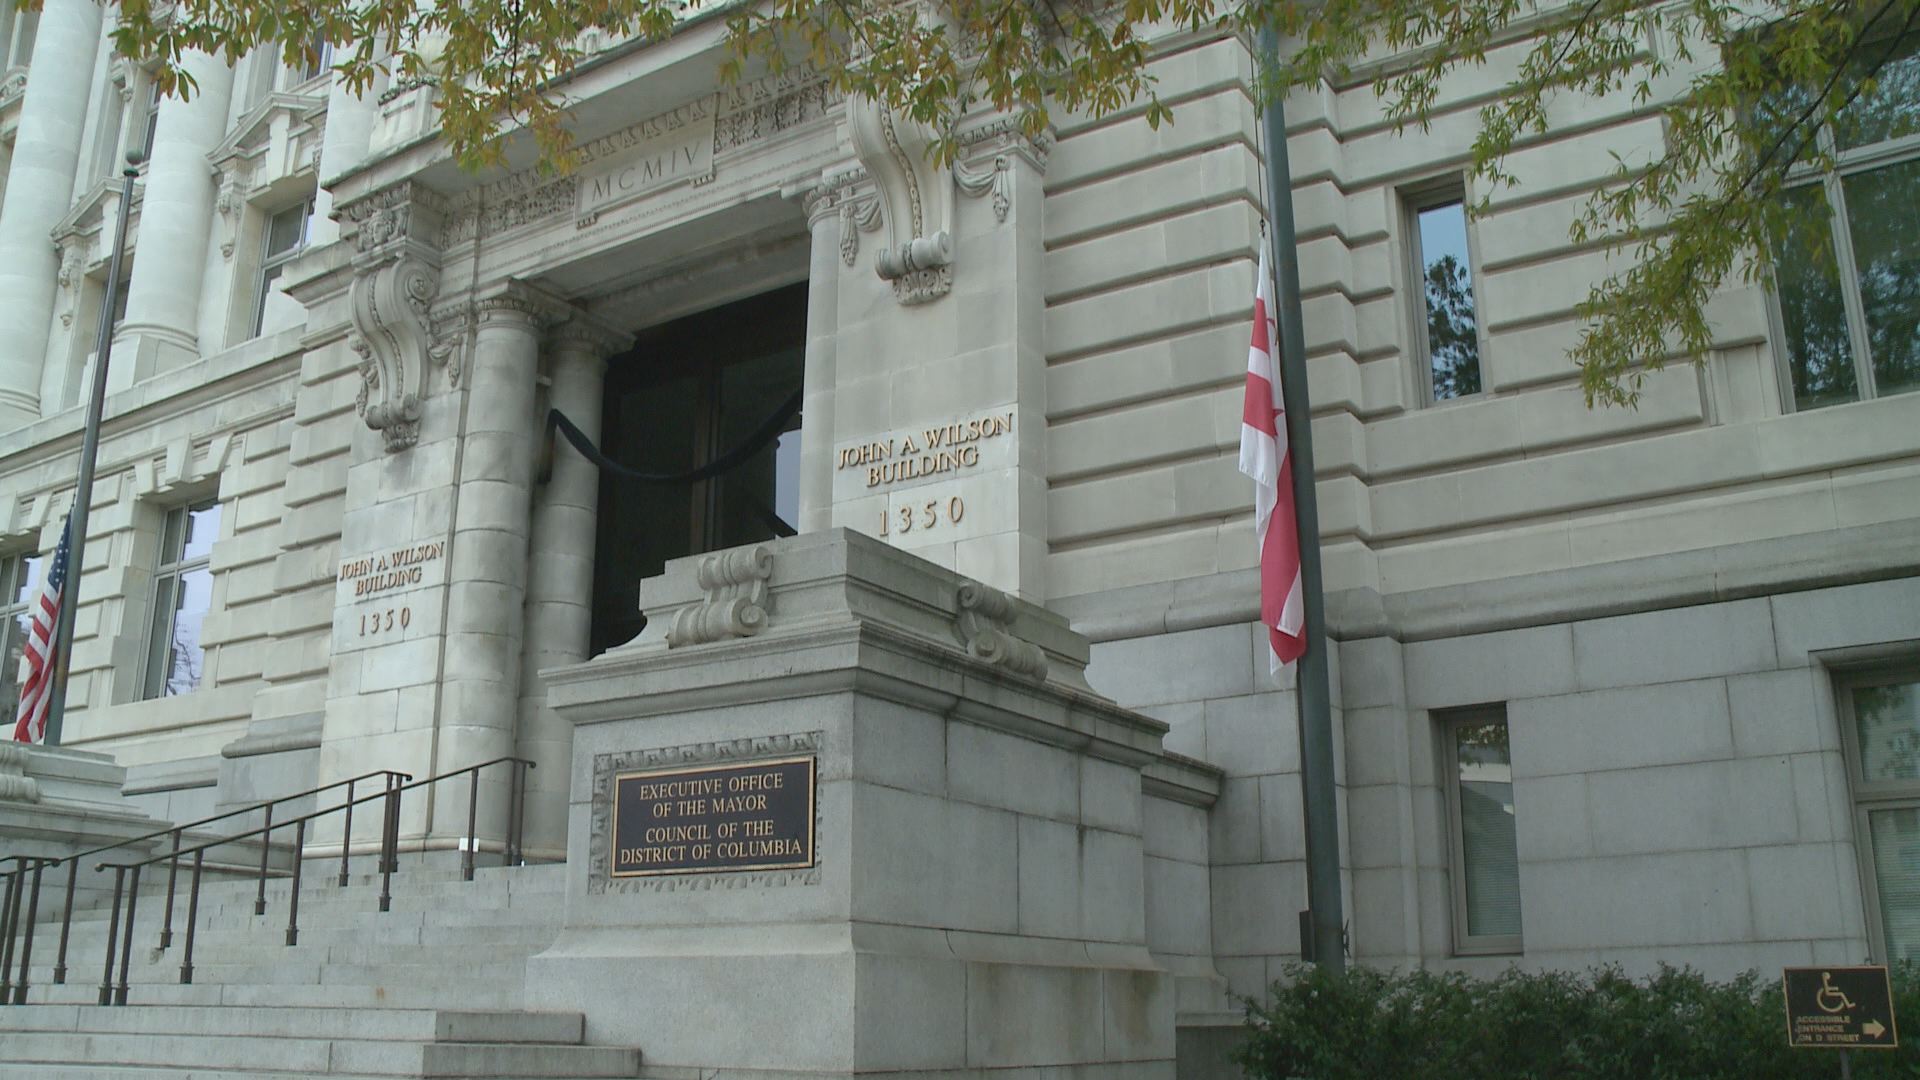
x,y
89,448
1328,941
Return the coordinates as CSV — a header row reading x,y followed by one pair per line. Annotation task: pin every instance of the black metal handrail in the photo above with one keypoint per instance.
x,y
126,876
15,991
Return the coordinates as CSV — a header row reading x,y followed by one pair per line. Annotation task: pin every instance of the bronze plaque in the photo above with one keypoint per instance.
x,y
1848,1008
752,816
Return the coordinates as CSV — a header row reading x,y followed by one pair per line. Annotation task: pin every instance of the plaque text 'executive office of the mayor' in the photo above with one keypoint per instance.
x,y
752,816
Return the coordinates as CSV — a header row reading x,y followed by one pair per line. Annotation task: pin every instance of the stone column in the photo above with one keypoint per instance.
x,y
487,578
350,122
46,151
825,211
559,610
162,326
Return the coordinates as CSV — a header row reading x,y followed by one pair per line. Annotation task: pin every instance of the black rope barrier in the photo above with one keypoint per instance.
x,y
769,430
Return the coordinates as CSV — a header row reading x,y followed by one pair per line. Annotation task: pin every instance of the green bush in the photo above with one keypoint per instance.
x,y
1677,1025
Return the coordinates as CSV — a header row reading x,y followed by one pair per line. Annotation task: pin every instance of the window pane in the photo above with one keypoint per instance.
x,y
203,528
1886,254
1893,108
1888,721
1819,353
1453,341
1486,829
185,657
1896,868
285,230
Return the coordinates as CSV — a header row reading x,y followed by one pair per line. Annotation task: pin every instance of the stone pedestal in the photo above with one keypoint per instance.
x,y
55,802
970,894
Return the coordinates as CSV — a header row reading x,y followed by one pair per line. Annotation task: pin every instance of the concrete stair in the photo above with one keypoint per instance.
x,y
432,988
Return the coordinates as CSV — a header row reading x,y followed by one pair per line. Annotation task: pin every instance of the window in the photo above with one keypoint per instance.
x,y
1486,861
25,28
1448,338
319,57
1848,285
1880,719
691,390
19,580
151,121
182,596
285,238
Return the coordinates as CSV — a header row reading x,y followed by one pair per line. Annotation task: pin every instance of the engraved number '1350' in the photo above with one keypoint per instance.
x,y
905,519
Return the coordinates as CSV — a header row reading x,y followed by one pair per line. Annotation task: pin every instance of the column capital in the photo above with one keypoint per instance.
x,y
583,334
516,303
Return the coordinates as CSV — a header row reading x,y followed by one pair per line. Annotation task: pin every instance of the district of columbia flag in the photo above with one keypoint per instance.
x,y
36,660
1264,457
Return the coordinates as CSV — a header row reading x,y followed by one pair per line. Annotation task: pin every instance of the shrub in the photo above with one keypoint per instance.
x,y
1601,1025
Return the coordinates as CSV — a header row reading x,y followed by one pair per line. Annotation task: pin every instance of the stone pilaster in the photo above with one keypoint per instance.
x,y
826,213
39,189
946,454
162,327
559,608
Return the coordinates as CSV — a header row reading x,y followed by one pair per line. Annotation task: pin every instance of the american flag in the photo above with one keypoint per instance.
x,y
36,685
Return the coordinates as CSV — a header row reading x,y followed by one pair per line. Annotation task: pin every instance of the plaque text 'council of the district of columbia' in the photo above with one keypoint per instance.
x,y
752,816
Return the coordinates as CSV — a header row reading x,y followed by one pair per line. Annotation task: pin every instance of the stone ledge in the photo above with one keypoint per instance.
x,y
1678,579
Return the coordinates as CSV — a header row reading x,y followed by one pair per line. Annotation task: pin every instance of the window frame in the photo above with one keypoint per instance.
x,y
18,573
149,117
169,569
1850,162
269,263
1446,721
1868,797
1416,199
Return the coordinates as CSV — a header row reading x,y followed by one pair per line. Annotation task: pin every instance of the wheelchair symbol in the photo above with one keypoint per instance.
x,y
1829,993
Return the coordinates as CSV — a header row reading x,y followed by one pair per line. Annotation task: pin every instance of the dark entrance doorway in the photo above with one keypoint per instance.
x,y
688,391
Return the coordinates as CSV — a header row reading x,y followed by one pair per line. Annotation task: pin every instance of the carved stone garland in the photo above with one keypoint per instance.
x,y
396,278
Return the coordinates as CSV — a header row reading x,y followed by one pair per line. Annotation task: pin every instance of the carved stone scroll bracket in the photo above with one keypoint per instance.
x,y
984,615
737,600
395,281
74,252
15,784
915,198
231,204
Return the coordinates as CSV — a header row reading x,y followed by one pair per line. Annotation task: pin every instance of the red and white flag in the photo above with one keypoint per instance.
x,y
1264,457
36,662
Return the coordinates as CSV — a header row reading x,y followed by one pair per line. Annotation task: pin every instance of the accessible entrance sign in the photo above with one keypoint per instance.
x,y
1842,1008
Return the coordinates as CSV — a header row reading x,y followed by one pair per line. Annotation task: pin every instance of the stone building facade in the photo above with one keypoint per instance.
x,y
1610,685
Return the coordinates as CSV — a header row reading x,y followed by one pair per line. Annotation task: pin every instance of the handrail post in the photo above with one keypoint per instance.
x,y
266,848
346,836
26,940
473,807
66,923
193,917
173,872
7,916
516,809
113,930
126,943
390,846
293,902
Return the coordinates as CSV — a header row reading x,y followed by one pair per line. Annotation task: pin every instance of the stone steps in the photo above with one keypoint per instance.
x,y
433,988
319,1057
